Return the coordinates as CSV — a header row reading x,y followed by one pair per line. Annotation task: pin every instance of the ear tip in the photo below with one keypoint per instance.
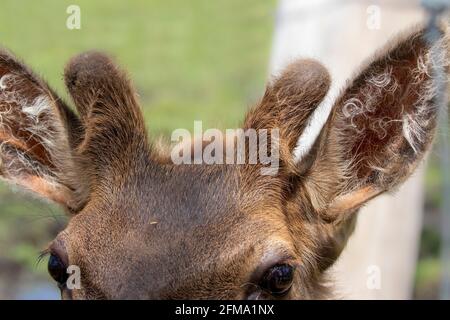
x,y
90,55
308,71
4,53
88,65
9,62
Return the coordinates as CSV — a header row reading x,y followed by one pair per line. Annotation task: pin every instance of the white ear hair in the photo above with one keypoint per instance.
x,y
314,126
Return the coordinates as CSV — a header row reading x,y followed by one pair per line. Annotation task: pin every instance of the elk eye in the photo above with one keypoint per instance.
x,y
57,269
278,279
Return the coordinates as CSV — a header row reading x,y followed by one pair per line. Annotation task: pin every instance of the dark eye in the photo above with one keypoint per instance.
x,y
57,269
278,279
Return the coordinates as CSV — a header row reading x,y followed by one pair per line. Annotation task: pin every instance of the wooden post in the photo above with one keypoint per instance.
x,y
342,34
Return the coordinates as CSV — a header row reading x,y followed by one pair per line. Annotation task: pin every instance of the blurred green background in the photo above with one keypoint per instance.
x,y
200,59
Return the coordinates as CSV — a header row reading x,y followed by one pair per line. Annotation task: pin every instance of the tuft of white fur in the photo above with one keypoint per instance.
x,y
38,106
3,80
34,115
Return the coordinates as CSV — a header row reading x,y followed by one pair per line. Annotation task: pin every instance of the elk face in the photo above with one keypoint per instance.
x,y
142,227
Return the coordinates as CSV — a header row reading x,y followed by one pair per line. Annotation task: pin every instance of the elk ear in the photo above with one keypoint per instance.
x,y
288,103
108,108
380,127
36,131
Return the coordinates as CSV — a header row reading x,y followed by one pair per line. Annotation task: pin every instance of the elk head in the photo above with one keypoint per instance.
x,y
143,227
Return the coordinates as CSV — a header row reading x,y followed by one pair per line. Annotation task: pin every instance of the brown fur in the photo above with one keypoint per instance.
x,y
144,228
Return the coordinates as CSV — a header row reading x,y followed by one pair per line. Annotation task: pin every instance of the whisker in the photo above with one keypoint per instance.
x,y
44,253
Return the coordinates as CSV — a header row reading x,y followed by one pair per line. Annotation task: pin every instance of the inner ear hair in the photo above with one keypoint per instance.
x,y
35,134
381,126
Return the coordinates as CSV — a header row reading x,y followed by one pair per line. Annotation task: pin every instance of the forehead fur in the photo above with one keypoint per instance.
x,y
201,208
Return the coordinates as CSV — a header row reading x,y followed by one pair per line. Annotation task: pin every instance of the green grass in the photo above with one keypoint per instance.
x,y
189,60
428,277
